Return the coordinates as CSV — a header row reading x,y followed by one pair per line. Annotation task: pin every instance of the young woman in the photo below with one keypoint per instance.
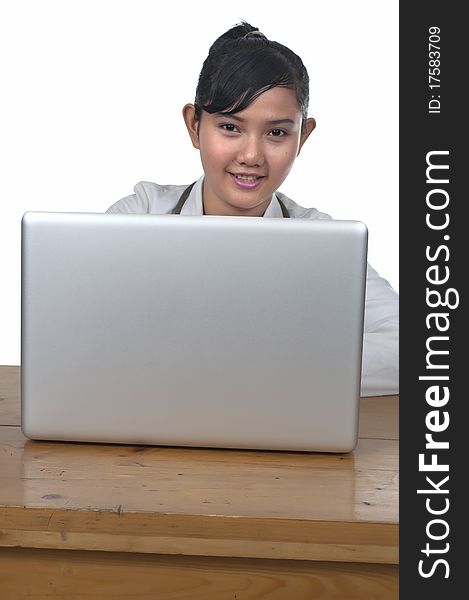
x,y
249,122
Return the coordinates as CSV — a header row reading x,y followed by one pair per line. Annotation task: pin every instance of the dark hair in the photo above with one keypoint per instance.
x,y
242,64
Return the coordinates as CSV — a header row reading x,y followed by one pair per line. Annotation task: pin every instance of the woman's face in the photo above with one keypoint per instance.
x,y
247,156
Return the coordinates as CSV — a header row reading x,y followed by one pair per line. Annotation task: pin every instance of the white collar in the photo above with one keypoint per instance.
x,y
194,205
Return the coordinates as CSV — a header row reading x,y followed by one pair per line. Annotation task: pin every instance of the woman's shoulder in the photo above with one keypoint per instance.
x,y
149,197
300,212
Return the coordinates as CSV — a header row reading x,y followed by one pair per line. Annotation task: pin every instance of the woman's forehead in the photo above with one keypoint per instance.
x,y
275,106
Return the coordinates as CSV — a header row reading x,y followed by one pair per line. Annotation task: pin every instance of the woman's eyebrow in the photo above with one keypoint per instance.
x,y
241,120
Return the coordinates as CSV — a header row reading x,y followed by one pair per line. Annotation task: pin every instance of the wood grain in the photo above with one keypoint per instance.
x,y
224,503
9,395
102,575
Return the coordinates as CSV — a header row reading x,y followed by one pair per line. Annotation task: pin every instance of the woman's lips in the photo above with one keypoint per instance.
x,y
246,184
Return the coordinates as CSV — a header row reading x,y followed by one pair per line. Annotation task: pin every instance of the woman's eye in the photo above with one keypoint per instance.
x,y
229,127
278,132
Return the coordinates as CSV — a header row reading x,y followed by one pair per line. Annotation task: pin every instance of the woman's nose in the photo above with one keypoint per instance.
x,y
250,151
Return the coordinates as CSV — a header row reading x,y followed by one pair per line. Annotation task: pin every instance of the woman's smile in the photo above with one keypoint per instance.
x,y
245,182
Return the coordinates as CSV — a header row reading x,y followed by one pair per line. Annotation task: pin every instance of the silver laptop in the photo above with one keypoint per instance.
x,y
230,332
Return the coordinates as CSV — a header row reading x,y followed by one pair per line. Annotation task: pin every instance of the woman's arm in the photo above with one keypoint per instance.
x,y
380,367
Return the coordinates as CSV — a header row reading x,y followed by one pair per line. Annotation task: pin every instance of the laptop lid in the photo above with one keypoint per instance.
x,y
211,331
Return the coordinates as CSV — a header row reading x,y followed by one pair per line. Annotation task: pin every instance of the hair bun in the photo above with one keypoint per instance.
x,y
255,33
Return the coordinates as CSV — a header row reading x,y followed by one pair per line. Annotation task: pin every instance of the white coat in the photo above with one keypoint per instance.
x,y
380,366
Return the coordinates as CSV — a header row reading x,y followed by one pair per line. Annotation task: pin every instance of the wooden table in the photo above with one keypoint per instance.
x,y
125,522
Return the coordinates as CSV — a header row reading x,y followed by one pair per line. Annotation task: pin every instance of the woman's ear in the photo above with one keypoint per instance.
x,y
192,124
310,125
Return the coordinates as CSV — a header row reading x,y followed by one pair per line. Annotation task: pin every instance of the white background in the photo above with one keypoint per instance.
x,y
92,92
